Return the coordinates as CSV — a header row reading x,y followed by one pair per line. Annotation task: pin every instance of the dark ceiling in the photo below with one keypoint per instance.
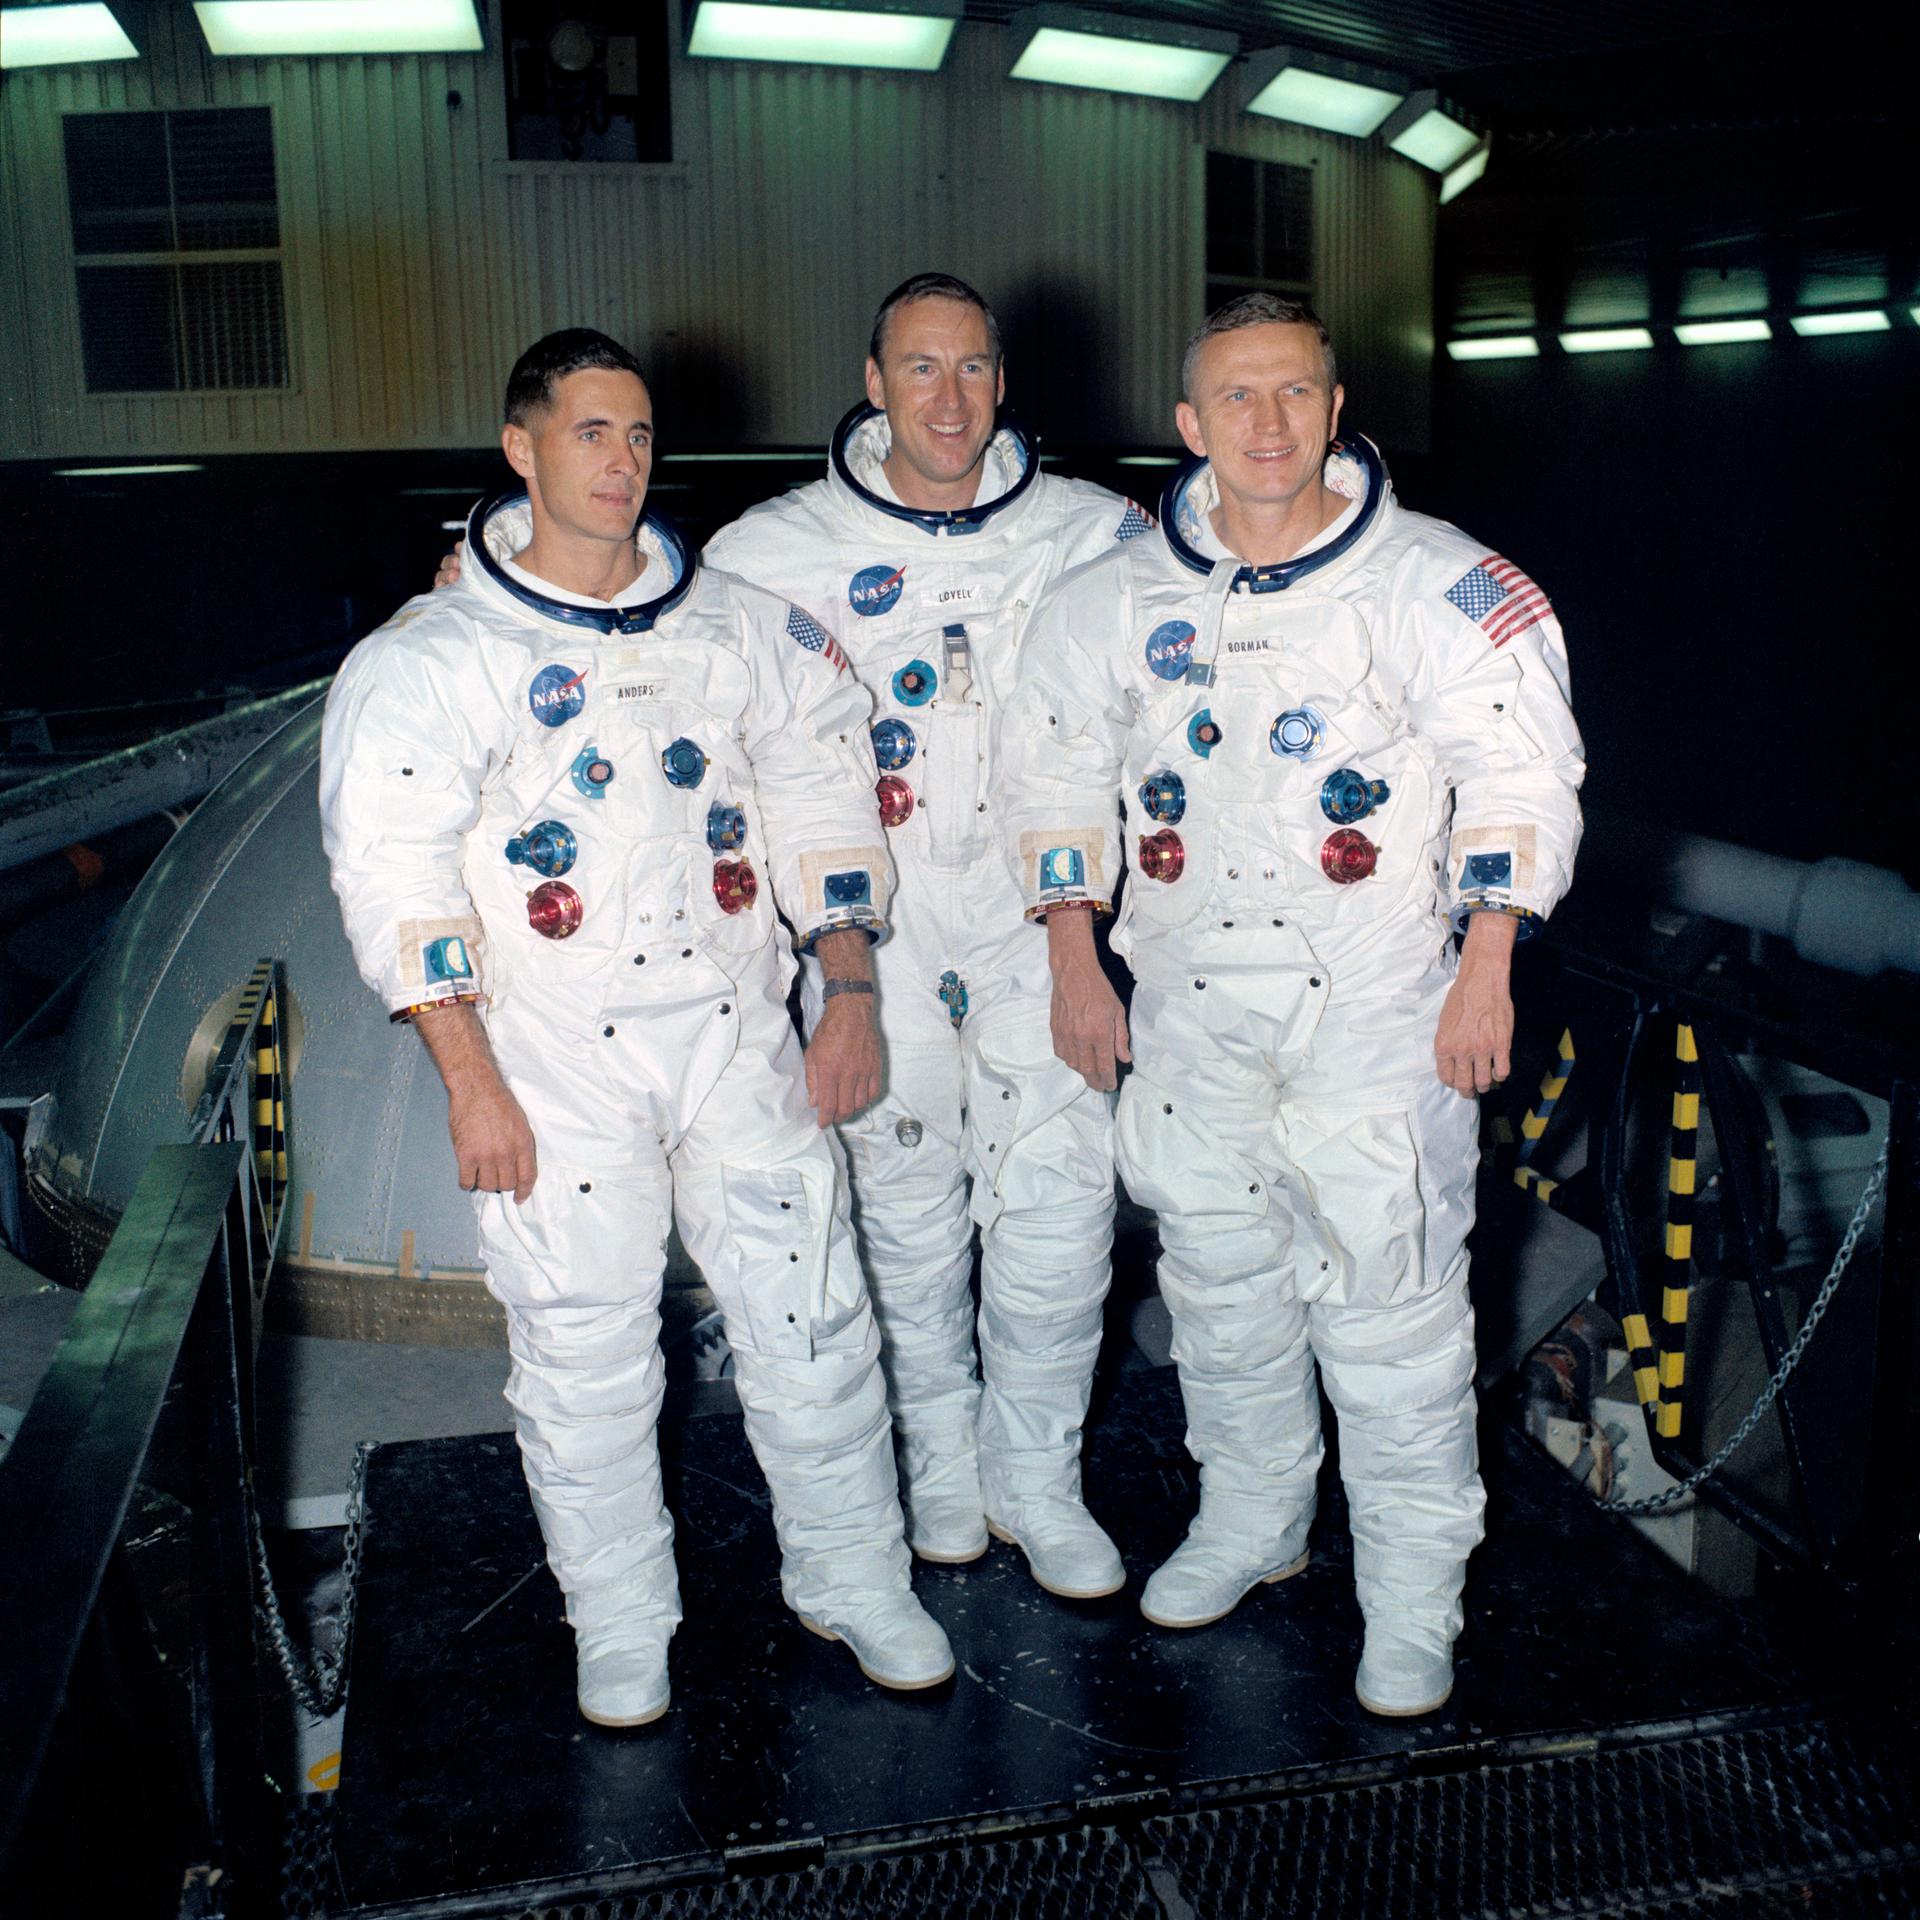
x,y
1649,159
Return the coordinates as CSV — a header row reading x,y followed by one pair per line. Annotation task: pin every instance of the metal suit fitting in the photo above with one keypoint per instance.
x,y
735,885
953,996
1348,855
683,763
1164,795
592,773
915,684
1162,857
896,800
893,744
1347,796
1203,732
554,910
726,827
549,848
1299,733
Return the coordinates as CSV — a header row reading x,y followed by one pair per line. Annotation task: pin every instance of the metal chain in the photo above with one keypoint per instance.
x,y
1659,1502
319,1684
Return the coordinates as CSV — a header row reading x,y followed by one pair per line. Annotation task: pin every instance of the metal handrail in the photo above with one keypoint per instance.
x,y
172,1306
1597,1197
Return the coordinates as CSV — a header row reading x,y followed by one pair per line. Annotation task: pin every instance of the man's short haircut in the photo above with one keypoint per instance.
x,y
1256,310
547,362
931,286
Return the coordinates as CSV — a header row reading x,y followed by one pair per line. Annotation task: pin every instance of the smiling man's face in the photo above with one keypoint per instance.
x,y
1263,412
940,384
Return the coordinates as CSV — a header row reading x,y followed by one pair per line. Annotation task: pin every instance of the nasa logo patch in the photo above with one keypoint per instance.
x,y
875,590
1169,648
556,696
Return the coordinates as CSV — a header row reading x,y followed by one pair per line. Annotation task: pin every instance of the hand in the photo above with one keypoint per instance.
x,y
491,1139
1089,1023
1472,1049
843,1059
450,565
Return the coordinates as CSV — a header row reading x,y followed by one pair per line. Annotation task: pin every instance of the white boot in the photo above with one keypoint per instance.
x,y
1215,1568
1068,1551
940,1493
1406,1668
897,1643
623,1681
1038,1380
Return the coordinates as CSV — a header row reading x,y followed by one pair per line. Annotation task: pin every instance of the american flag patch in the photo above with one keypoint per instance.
x,y
814,637
1496,595
1134,522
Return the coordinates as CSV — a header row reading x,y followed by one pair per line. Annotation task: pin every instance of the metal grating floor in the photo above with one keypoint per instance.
x,y
1673,1827
1820,1818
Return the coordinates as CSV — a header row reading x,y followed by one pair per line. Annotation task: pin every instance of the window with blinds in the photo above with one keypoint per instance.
x,y
1259,228
176,242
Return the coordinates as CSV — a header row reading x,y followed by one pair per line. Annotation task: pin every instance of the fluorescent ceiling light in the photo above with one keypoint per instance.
x,y
1424,131
912,41
62,36
1811,325
1720,333
1311,90
263,27
120,473
1148,460
1510,346
1068,47
804,453
1607,340
1455,183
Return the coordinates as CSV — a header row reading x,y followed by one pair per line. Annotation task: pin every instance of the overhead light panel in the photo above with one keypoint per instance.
x,y
1315,90
1071,47
908,39
1607,340
1458,179
1506,346
1720,333
260,28
1813,325
122,473
1430,133
62,36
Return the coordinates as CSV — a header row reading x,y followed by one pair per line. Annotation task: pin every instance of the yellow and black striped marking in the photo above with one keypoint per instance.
x,y
268,1089
1538,1115
1643,1360
1682,1169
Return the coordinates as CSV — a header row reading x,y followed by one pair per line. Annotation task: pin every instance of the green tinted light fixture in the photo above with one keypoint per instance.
x,y
61,36
1430,132
255,29
1316,90
1811,326
1075,47
911,38
1505,346
1456,180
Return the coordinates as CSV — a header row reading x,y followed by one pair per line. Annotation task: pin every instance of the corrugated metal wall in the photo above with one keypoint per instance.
x,y
418,261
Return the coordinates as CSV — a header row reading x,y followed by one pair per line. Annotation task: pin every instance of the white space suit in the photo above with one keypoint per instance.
x,y
582,814
980,1122
1327,765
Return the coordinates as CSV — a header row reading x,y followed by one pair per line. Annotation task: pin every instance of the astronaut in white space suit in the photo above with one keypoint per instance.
x,y
923,549
559,803
1341,731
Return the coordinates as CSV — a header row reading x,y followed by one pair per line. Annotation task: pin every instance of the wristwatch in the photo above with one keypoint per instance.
x,y
845,986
